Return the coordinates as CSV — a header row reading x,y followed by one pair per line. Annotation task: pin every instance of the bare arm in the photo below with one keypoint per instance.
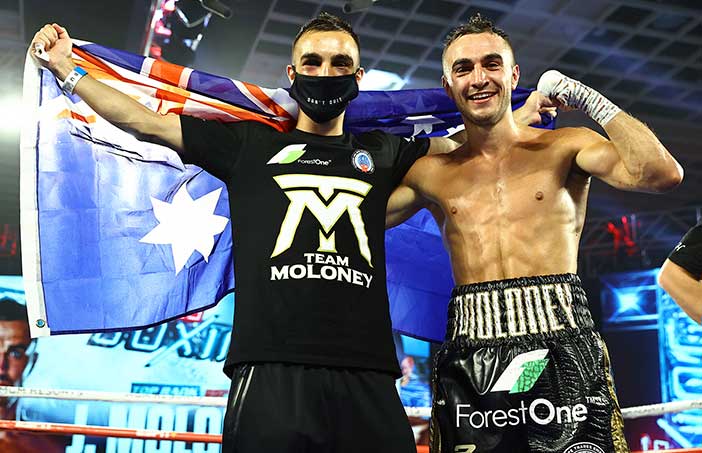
x,y
404,202
408,198
112,105
633,159
685,290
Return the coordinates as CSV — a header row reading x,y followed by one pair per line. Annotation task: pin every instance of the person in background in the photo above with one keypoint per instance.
x,y
17,358
413,391
681,273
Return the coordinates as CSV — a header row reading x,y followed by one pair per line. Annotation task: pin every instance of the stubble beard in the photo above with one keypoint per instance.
x,y
485,120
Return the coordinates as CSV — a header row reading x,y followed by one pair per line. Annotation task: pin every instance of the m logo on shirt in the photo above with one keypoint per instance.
x,y
327,198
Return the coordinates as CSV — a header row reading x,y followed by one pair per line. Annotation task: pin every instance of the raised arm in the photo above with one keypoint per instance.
x,y
112,105
633,158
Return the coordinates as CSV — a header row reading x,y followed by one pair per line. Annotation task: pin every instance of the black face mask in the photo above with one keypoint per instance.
x,y
323,98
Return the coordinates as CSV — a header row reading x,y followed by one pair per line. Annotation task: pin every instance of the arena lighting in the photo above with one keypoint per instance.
x,y
628,302
218,8
376,79
357,5
9,240
177,27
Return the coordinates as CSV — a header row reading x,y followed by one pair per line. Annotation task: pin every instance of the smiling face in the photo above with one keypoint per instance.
x,y
325,54
479,75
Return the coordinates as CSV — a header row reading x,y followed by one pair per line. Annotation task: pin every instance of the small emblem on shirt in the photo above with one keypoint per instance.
x,y
583,447
362,161
288,155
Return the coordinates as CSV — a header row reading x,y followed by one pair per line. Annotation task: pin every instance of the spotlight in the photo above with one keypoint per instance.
x,y
177,27
186,25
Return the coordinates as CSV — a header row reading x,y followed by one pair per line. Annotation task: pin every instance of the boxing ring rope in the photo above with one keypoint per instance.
x,y
110,397
212,401
115,397
104,431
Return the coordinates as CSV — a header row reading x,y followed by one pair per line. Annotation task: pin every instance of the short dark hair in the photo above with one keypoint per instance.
x,y
11,310
476,24
327,22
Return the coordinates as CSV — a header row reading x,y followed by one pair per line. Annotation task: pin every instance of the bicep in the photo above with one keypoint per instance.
x,y
598,157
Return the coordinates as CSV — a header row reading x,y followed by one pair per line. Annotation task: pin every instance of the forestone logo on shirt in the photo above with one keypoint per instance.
x,y
324,163
292,153
288,155
328,198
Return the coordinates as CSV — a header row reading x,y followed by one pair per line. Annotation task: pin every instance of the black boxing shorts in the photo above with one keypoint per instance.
x,y
522,370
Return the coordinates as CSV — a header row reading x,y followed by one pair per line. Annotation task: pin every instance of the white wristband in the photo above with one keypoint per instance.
x,y
69,84
574,93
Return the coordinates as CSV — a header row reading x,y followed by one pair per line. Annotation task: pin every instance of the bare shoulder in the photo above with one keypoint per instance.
x,y
424,169
566,140
575,137
430,162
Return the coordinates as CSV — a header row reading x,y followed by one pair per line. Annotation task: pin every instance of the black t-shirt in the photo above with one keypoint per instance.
x,y
688,253
308,221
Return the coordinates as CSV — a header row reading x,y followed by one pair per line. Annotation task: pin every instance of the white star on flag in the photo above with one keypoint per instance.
x,y
422,123
187,225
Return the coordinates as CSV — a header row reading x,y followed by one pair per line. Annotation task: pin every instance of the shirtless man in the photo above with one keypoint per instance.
x,y
522,368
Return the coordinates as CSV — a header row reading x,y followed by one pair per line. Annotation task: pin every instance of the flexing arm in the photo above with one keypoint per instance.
x,y
685,290
528,114
633,158
115,107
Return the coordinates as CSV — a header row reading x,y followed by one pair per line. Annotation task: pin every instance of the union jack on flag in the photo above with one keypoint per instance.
x,y
93,196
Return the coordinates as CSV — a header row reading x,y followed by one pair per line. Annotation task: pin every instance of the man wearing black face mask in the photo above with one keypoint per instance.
x,y
324,98
312,359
